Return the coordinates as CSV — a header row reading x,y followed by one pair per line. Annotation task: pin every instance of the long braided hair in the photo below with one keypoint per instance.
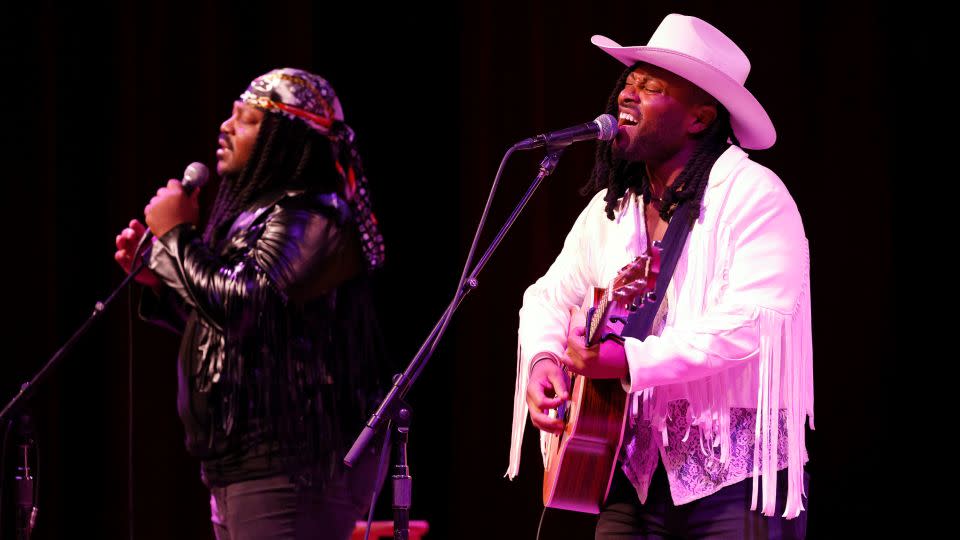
x,y
619,175
280,380
286,154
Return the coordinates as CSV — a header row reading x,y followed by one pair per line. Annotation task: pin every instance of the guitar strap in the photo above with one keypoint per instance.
x,y
674,240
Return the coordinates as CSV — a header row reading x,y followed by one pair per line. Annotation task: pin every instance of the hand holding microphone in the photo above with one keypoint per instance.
x,y
173,204
177,202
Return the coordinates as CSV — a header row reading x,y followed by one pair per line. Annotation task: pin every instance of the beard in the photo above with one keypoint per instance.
x,y
655,145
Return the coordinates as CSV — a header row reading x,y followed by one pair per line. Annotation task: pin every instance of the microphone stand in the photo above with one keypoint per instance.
x,y
194,177
27,480
393,408
98,309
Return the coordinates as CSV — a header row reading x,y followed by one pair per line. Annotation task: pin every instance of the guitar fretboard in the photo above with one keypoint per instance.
x,y
598,314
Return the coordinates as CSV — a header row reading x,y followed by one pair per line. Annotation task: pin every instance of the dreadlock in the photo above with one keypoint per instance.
x,y
619,175
286,154
275,380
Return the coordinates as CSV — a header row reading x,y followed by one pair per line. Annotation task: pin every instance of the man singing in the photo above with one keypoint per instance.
x,y
278,363
721,382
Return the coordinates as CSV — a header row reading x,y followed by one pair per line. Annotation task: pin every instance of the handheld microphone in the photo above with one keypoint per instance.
x,y
194,177
604,128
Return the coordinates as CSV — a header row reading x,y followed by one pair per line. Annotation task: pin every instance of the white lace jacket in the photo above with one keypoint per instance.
x,y
736,338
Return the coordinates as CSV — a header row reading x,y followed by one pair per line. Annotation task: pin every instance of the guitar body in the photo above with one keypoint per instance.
x,y
582,459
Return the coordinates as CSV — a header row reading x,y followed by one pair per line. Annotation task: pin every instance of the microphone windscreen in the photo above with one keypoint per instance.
x,y
608,127
195,176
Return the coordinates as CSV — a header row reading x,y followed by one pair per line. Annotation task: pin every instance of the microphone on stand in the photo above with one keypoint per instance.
x,y
603,128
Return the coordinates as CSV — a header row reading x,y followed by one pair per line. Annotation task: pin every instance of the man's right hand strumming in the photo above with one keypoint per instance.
x,y
127,242
547,388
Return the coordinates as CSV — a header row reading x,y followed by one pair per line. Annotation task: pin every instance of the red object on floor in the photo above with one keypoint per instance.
x,y
384,529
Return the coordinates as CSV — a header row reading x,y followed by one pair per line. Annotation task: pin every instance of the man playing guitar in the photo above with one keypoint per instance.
x,y
719,383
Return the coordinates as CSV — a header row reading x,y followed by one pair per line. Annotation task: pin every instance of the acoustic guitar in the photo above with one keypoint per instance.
x,y
581,460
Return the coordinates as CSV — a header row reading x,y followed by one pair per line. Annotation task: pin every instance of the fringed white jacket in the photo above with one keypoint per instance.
x,y
723,388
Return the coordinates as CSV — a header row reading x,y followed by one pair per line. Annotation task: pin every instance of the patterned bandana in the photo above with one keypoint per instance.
x,y
301,95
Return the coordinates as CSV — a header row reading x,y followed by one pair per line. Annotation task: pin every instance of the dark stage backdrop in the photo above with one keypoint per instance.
x,y
104,103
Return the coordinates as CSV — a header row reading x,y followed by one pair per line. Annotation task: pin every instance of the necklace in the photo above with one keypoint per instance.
x,y
651,196
654,199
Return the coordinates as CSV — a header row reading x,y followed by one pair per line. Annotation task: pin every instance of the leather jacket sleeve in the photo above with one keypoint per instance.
x,y
299,252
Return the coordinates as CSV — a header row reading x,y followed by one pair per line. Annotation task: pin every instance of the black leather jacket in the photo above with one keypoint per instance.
x,y
277,323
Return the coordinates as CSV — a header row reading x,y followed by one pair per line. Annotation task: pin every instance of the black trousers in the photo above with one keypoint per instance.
x,y
723,515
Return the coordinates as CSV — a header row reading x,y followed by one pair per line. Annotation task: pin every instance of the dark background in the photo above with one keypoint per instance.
x,y
103,103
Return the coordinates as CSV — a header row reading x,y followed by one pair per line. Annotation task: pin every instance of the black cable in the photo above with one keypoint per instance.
x,y
36,482
130,413
542,514
377,485
460,293
3,468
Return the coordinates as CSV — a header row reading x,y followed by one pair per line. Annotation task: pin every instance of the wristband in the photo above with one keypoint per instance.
x,y
542,357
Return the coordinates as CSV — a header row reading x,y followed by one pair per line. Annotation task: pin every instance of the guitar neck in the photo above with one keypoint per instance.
x,y
596,316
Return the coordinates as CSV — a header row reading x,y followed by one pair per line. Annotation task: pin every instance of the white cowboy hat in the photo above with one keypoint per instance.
x,y
701,54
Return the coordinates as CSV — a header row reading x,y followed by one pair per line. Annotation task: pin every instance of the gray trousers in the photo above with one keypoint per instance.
x,y
275,508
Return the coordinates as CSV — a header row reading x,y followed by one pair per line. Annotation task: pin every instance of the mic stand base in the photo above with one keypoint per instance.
x,y
402,481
